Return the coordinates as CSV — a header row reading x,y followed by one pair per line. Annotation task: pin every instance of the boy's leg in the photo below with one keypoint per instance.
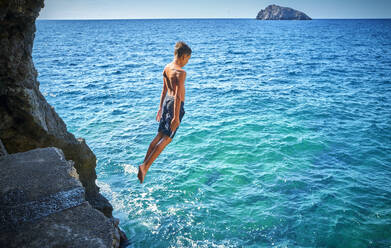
x,y
154,154
157,138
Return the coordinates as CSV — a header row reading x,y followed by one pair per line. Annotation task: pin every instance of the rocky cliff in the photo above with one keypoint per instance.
x,y
27,121
275,12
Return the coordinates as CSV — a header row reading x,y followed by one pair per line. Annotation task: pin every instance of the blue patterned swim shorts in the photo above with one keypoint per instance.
x,y
168,114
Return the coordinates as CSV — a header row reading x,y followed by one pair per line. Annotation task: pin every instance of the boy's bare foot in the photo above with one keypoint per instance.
x,y
141,173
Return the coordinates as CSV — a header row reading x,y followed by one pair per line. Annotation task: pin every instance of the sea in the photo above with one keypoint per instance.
x,y
285,141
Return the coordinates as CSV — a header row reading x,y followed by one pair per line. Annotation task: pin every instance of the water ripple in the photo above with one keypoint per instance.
x,y
286,140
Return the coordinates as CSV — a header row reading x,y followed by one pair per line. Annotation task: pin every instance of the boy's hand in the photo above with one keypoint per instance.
x,y
158,115
174,124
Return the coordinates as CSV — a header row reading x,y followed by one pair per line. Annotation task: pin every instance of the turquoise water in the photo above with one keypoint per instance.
x,y
286,140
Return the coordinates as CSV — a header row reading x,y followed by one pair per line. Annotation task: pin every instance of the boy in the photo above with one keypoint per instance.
x,y
171,109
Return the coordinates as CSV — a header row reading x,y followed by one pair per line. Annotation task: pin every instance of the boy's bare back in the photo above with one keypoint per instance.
x,y
174,76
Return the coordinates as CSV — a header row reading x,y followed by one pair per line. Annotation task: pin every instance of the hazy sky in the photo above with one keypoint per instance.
x,y
132,9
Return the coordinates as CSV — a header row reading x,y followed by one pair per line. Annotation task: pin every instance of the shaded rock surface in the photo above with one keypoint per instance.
x,y
3,151
42,204
27,121
275,12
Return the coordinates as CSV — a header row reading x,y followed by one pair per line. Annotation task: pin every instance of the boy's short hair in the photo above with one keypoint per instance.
x,y
181,48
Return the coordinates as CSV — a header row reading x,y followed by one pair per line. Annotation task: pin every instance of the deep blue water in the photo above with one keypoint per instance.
x,y
286,140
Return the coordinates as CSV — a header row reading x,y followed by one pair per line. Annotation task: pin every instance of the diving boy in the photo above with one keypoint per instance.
x,y
171,108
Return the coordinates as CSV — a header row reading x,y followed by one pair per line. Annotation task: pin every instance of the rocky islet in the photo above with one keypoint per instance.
x,y
275,12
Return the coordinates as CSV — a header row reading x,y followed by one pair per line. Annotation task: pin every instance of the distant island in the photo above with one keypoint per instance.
x,y
275,12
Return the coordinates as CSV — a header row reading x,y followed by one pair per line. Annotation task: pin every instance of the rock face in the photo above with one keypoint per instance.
x,y
27,121
275,12
42,204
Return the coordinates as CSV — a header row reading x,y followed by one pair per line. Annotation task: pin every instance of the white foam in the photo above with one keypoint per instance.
x,y
130,169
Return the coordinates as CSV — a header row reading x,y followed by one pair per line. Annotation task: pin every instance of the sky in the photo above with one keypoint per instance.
x,y
155,9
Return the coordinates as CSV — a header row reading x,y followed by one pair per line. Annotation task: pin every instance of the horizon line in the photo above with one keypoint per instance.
x,y
182,18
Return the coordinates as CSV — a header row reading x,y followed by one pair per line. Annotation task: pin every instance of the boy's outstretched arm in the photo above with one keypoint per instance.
x,y
162,96
177,101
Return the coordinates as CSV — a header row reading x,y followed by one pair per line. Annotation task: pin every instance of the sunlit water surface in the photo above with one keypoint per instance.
x,y
286,140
